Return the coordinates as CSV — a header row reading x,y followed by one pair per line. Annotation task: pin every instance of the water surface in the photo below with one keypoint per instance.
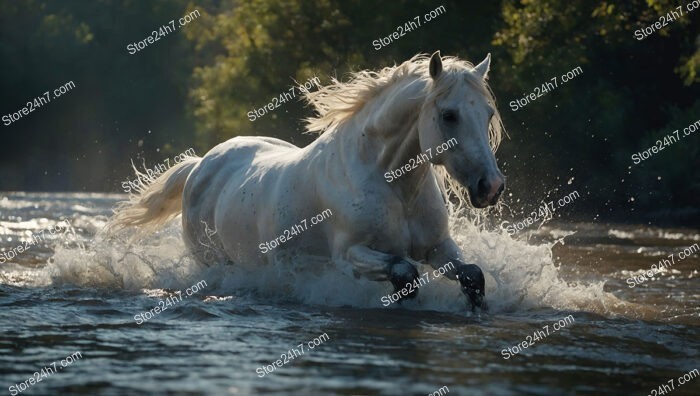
x,y
57,298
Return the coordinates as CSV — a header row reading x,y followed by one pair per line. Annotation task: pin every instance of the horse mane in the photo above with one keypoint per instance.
x,y
336,103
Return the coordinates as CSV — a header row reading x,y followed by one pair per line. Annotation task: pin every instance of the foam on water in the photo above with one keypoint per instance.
x,y
519,276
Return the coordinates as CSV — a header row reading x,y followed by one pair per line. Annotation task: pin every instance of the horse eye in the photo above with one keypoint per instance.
x,y
449,116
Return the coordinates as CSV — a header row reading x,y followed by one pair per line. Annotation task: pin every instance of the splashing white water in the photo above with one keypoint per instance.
x,y
519,276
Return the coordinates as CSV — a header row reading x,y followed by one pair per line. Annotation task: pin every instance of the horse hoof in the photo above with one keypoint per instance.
x,y
402,274
472,282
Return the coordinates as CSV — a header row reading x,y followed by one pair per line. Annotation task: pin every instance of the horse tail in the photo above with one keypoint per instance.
x,y
158,199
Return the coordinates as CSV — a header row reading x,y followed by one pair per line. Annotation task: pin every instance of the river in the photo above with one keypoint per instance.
x,y
564,318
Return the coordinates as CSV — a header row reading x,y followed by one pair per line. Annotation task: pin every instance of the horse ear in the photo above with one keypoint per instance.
x,y
483,68
435,65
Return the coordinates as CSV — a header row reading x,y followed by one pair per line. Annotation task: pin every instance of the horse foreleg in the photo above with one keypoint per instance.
x,y
470,276
378,266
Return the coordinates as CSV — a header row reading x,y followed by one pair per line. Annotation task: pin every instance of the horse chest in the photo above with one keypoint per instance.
x,y
426,230
389,225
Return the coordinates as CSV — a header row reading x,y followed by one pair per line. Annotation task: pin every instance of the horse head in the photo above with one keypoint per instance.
x,y
460,107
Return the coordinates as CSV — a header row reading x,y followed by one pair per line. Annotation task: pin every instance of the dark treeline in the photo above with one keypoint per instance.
x,y
193,87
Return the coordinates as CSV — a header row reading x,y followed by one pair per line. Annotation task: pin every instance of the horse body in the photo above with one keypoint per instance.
x,y
252,189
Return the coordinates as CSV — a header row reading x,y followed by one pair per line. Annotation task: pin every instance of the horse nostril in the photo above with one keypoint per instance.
x,y
482,187
500,189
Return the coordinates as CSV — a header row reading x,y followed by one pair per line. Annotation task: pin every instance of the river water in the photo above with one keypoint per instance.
x,y
68,292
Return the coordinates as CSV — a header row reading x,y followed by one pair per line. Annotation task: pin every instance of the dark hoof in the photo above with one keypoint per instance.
x,y
472,282
402,274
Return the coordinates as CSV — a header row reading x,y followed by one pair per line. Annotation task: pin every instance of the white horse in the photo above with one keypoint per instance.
x,y
253,190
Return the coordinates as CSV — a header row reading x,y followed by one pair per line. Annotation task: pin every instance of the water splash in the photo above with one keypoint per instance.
x,y
519,276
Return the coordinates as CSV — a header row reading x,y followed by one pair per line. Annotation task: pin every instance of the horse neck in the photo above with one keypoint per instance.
x,y
385,132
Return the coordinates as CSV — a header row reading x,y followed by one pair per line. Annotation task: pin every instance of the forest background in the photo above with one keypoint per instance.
x,y
195,86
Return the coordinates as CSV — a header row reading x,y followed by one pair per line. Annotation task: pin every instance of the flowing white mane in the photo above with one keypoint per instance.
x,y
338,102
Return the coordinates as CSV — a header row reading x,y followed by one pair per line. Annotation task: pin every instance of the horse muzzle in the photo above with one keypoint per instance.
x,y
487,190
